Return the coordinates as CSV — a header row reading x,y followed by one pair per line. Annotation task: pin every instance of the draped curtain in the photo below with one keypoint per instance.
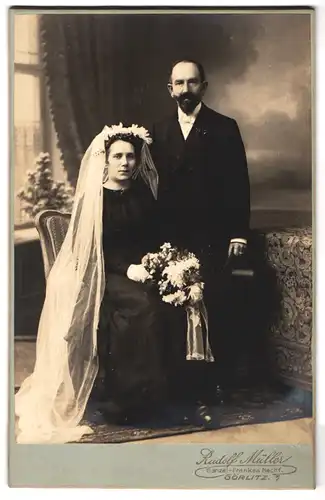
x,y
106,68
79,65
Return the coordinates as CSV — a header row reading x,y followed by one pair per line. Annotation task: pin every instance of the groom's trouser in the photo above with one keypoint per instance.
x,y
239,309
199,380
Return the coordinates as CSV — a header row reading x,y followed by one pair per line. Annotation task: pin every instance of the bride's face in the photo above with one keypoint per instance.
x,y
121,161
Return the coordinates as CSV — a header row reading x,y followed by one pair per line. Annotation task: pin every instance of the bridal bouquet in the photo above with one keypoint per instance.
x,y
177,275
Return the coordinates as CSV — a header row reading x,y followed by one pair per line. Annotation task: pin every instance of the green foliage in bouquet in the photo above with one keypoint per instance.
x,y
42,192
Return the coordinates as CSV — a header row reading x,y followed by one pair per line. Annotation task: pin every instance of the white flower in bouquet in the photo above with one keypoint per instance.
x,y
195,292
174,273
163,284
178,298
168,253
166,246
191,262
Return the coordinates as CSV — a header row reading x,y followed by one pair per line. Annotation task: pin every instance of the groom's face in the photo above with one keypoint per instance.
x,y
186,87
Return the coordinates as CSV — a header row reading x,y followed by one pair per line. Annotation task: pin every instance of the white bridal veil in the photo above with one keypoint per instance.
x,y
51,402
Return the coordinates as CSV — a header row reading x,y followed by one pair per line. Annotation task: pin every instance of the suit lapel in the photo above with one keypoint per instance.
x,y
180,149
175,138
196,130
196,135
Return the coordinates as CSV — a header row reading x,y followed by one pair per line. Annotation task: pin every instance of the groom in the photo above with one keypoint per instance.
x,y
204,191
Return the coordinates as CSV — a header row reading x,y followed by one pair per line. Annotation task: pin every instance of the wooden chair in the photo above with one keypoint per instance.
x,y
52,227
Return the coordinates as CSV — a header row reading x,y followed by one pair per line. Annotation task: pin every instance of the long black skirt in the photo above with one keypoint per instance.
x,y
132,345
142,350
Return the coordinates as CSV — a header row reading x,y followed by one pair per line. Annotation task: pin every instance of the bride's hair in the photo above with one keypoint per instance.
x,y
135,141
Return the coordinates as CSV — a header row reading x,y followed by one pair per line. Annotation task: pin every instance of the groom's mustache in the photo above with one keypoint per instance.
x,y
188,101
187,96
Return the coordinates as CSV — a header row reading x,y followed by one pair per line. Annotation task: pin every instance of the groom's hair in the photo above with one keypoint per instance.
x,y
197,64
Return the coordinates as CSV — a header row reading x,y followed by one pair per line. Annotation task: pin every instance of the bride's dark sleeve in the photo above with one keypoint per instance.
x,y
116,263
153,239
116,254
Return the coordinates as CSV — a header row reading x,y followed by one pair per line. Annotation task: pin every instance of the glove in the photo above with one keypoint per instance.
x,y
136,272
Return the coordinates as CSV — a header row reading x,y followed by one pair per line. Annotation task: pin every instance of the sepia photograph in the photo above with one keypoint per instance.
x,y
162,206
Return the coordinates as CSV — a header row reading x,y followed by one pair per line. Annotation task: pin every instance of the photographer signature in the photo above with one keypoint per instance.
x,y
258,465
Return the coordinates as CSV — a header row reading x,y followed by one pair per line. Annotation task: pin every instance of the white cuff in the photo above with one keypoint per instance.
x,y
239,240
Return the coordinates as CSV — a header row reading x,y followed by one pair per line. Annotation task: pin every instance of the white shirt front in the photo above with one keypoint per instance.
x,y
186,121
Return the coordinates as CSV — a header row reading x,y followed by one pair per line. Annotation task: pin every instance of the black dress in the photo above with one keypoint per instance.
x,y
131,327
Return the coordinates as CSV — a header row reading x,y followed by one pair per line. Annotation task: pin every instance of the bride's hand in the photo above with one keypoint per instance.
x,y
136,272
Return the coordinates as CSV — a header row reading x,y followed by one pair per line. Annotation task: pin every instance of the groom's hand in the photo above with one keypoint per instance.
x,y
136,272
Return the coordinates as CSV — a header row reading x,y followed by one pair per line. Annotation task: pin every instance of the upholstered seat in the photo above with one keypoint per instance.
x,y
52,227
289,252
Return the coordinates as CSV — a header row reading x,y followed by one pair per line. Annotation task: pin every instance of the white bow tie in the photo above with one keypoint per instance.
x,y
187,119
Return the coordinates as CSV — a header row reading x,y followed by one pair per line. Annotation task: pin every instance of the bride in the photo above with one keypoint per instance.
x,y
104,330
100,318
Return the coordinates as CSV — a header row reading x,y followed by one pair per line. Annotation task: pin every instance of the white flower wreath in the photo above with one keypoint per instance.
x,y
135,130
108,132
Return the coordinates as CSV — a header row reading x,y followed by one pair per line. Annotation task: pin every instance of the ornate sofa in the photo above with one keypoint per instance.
x,y
288,254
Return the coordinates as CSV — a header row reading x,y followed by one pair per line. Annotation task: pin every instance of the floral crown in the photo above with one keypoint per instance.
x,y
135,130
119,130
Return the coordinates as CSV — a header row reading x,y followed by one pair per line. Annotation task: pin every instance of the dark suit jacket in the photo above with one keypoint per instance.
x,y
204,193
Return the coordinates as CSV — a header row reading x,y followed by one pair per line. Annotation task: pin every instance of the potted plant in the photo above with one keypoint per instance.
x,y
41,191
